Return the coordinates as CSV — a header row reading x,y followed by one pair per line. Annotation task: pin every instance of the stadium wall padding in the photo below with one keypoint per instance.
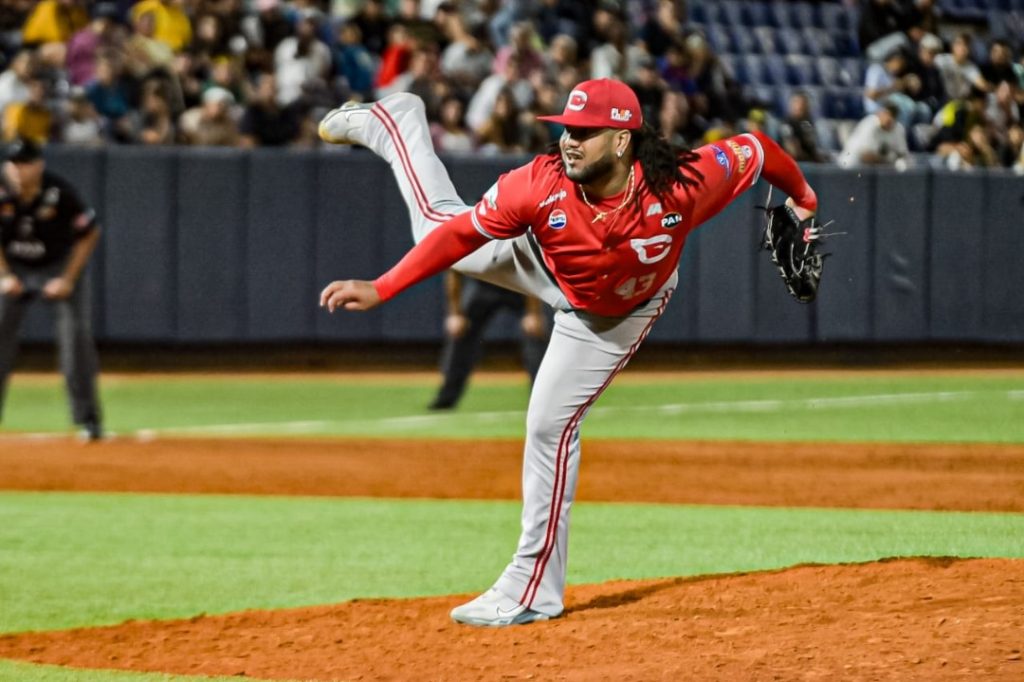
x,y
227,245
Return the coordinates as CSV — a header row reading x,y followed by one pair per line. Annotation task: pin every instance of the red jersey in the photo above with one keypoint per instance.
x,y
606,265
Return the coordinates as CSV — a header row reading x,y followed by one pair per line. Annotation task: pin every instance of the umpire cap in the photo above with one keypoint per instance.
x,y
23,150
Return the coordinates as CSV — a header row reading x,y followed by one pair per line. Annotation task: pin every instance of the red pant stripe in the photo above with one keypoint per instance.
x,y
562,462
426,209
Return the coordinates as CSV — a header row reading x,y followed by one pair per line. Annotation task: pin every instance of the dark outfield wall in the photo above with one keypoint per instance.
x,y
229,245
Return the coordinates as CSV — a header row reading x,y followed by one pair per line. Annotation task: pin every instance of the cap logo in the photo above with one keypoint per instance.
x,y
577,100
621,115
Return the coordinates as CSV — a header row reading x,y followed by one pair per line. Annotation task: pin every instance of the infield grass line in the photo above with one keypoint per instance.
x,y
714,407
902,409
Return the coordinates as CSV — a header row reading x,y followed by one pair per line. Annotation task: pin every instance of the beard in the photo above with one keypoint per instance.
x,y
588,174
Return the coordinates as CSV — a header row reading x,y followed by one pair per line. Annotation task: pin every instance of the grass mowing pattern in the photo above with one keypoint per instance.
x,y
918,409
80,559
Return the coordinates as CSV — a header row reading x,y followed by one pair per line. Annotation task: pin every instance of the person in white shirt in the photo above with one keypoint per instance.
x,y
878,139
482,103
14,81
959,73
300,58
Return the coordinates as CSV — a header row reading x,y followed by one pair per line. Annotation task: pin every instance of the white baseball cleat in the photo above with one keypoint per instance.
x,y
340,125
494,610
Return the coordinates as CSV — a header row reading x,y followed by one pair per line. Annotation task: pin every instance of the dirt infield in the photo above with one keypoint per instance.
x,y
893,620
961,477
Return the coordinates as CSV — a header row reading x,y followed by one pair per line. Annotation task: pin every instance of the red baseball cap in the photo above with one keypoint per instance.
x,y
601,103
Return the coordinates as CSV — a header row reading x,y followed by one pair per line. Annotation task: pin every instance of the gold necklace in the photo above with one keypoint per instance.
x,y
601,214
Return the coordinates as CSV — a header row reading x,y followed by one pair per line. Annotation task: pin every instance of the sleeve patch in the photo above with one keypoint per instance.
x,y
748,152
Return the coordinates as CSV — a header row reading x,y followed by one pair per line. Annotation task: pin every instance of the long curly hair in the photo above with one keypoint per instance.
x,y
664,164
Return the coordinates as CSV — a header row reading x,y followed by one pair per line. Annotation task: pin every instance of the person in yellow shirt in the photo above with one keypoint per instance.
x,y
31,119
50,26
53,21
173,26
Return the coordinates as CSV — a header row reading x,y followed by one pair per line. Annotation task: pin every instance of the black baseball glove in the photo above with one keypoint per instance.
x,y
793,244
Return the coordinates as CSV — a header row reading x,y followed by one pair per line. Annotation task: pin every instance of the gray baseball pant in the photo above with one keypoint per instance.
x,y
76,349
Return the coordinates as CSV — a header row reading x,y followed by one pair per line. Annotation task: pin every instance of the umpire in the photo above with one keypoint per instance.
x,y
48,235
472,303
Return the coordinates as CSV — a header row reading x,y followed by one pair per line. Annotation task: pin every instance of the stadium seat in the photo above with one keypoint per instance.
x,y
840,103
779,15
755,69
803,15
775,69
829,72
835,17
719,38
765,37
790,41
845,44
698,13
762,94
853,68
801,70
849,103
828,139
979,50
731,12
736,67
713,13
818,42
743,40
756,14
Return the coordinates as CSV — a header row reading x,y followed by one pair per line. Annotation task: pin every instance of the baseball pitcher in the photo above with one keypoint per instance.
x,y
595,229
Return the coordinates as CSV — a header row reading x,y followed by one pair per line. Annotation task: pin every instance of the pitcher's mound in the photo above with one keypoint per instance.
x,y
905,619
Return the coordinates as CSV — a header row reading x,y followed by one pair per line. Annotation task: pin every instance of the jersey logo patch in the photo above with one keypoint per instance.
x,y
557,220
577,100
653,209
742,154
671,220
723,160
653,249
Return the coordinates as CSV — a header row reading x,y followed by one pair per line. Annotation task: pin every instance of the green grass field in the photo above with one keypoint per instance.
x,y
74,559
845,407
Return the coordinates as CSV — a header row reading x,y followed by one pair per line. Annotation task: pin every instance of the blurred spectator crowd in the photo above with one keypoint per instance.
x,y
852,81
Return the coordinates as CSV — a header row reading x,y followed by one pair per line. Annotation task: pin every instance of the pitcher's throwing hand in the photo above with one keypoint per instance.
x,y
350,294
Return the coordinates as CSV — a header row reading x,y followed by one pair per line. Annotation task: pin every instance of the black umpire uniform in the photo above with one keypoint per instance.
x,y
478,302
48,235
